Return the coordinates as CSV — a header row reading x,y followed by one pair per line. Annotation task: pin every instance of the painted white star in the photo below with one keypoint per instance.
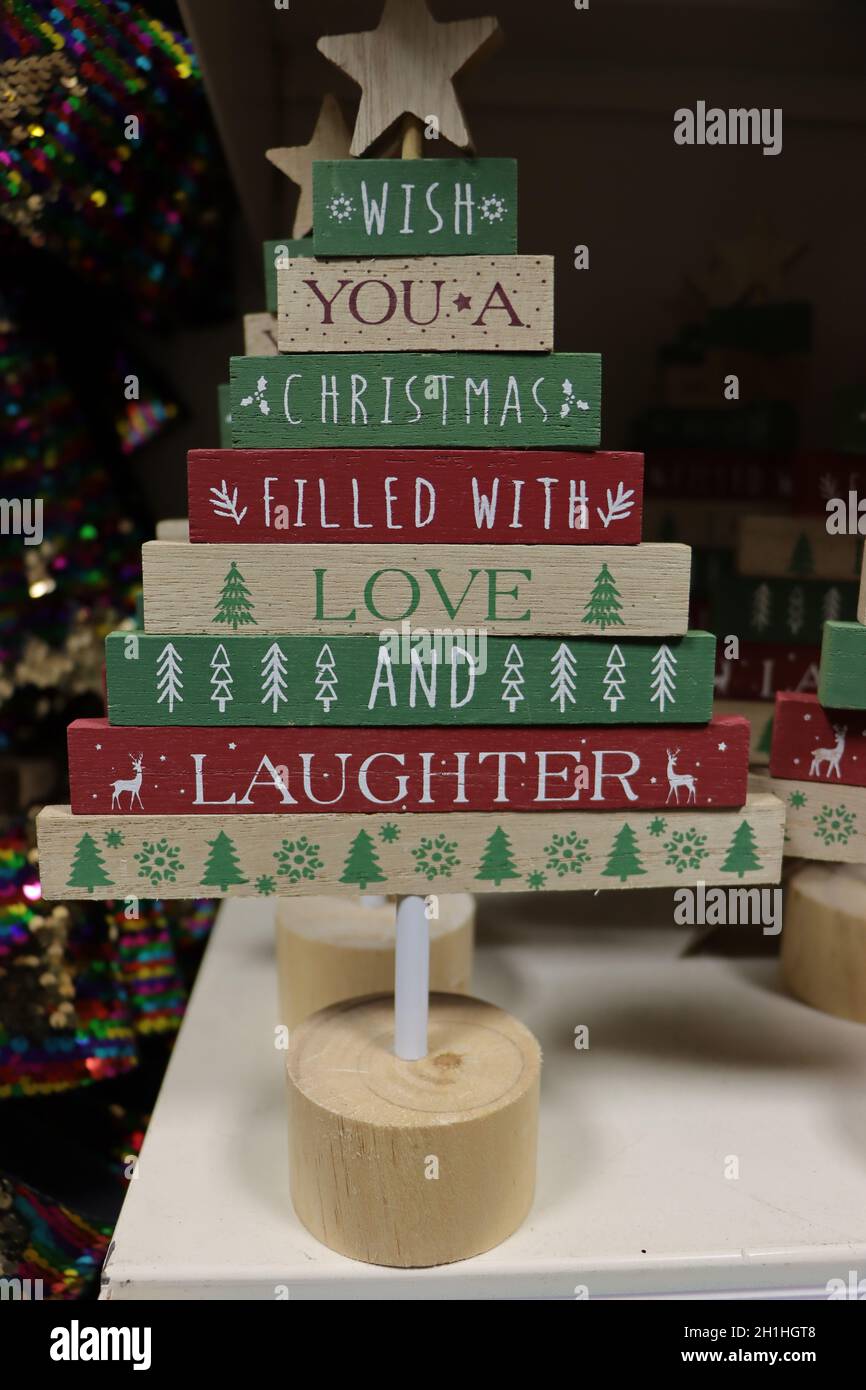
x,y
162,757
723,747
99,747
796,761
806,718
653,781
232,745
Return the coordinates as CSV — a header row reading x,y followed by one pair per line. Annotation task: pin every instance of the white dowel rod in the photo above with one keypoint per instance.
x,y
373,900
411,980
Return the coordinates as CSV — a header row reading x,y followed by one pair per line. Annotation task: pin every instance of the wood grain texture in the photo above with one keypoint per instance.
x,y
277,253
406,65
203,771
154,679
440,303
331,949
825,822
780,610
788,546
187,856
260,335
759,714
712,522
291,496
763,668
491,400
824,940
432,207
330,140
812,743
364,1127
629,591
842,674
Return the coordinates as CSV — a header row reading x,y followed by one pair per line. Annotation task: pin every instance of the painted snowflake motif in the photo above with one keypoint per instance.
x,y
658,826
834,825
566,854
537,879
797,799
435,858
258,396
341,208
389,833
114,838
298,859
265,884
492,208
570,402
159,861
686,850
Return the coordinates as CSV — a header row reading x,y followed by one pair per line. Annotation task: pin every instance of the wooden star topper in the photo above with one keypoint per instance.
x,y
407,66
330,140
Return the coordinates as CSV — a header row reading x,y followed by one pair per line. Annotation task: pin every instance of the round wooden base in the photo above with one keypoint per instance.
x,y
330,949
412,1163
824,938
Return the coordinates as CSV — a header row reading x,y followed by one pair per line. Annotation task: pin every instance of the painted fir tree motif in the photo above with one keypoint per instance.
x,y
362,862
562,671
664,679
274,667
831,605
802,561
298,859
512,680
742,856
222,867
234,606
624,859
326,678
834,825
603,608
686,849
159,861
762,607
614,678
566,854
796,610
436,856
169,676
497,861
222,679
88,867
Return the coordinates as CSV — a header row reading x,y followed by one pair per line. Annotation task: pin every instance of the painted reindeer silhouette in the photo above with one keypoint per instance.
x,y
131,784
679,779
831,756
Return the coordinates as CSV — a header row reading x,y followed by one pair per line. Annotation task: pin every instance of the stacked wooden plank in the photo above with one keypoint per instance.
x,y
414,641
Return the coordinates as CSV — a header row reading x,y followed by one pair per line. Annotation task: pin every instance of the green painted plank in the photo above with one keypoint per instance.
x,y
273,252
495,400
779,610
423,207
842,674
348,681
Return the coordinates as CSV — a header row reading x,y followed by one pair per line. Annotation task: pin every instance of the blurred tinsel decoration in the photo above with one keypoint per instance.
x,y
98,102
57,1250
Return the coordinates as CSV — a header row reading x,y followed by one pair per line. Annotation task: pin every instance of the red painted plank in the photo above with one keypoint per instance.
x,y
764,668
823,474
813,744
171,771
459,496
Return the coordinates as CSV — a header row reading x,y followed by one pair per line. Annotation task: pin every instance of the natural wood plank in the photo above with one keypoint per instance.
x,y
150,770
260,335
842,677
487,399
295,855
447,303
712,522
464,680
824,942
811,743
329,140
787,546
763,668
779,610
407,65
823,822
628,591
461,497
759,714
277,253
379,207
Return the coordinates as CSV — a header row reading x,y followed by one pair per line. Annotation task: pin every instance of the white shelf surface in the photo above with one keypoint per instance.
x,y
692,1061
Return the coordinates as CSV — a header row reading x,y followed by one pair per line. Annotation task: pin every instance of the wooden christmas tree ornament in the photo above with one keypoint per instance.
x,y
824,939
412,1162
332,949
